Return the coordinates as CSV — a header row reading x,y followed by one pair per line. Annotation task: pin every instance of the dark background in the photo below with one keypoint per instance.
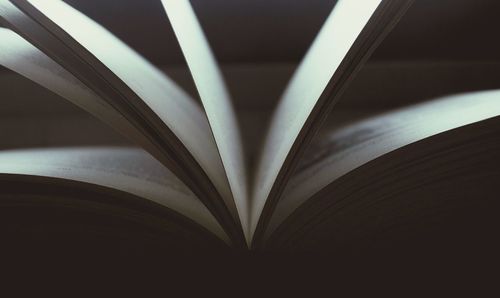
x,y
440,47
260,31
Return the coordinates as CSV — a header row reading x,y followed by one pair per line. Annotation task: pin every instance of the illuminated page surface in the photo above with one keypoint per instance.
x,y
144,85
175,108
129,170
215,97
336,37
372,138
20,56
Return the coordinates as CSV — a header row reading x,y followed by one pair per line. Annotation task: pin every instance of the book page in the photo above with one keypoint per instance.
x,y
20,56
215,99
337,52
349,148
129,170
144,95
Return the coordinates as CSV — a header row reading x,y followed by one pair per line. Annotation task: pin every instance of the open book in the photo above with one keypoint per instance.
x,y
189,184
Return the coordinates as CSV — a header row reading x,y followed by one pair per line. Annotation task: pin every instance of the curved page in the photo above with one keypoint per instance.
x,y
20,56
345,41
144,95
126,169
215,98
359,143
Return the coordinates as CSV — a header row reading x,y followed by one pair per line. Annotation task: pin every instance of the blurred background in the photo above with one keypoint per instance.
x,y
440,47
